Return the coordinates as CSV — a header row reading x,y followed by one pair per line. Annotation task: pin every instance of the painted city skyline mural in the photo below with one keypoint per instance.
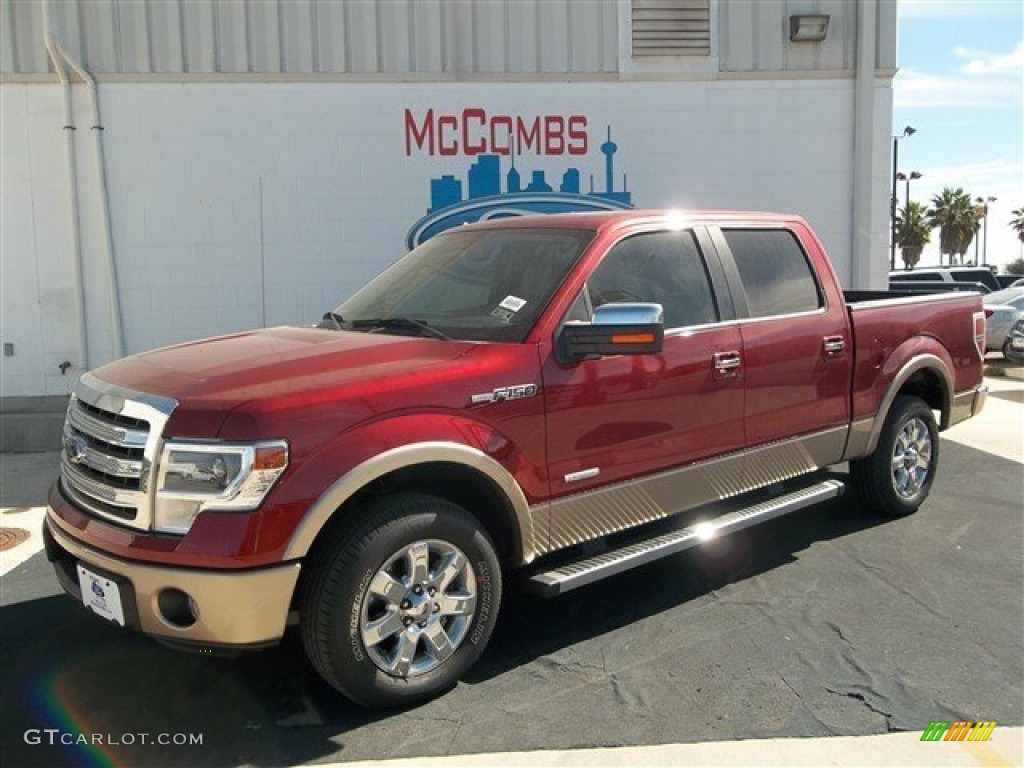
x,y
500,181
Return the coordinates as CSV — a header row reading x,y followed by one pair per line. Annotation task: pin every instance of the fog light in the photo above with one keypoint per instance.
x,y
177,608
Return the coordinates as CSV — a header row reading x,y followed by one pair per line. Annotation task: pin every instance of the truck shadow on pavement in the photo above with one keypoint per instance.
x,y
69,671
73,674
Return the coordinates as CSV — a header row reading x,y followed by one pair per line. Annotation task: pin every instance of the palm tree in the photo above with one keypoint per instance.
x,y
1017,223
954,214
913,231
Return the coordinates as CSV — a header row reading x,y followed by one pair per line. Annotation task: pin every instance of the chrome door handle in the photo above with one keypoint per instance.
x,y
834,345
727,363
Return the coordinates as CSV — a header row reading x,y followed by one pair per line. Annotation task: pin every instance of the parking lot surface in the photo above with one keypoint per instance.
x,y
827,622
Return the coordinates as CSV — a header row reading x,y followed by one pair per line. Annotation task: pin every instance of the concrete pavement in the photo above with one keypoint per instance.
x,y
1004,749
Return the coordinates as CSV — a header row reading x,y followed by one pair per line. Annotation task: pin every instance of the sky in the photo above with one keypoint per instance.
x,y
961,86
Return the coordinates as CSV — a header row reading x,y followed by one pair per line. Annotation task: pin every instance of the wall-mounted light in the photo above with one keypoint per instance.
x,y
808,28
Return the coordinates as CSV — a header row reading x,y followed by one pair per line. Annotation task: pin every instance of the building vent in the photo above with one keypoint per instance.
x,y
671,28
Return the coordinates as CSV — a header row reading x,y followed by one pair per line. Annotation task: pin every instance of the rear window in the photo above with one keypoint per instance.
x,y
915,277
983,276
776,275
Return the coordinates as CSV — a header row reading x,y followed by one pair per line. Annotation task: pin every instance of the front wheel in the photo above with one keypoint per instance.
x,y
397,608
896,479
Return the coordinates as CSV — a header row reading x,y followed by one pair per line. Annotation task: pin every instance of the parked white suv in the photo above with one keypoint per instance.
x,y
948,275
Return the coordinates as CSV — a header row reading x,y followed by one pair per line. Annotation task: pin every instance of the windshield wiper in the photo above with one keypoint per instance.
x,y
402,323
332,321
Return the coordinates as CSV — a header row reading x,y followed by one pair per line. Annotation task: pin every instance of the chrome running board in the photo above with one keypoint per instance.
x,y
590,569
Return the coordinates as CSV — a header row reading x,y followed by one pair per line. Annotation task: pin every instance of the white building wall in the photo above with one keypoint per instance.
x,y
436,38
185,163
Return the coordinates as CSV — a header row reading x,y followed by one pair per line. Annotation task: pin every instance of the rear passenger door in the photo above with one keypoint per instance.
x,y
796,354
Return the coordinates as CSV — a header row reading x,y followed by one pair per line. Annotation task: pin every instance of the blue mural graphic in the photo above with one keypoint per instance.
x,y
487,200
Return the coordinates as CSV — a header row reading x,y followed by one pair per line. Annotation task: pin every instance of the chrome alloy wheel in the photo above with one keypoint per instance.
x,y
911,458
418,607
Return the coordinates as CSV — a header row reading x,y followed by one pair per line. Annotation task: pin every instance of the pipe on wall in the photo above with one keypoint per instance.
x,y
110,264
862,274
76,228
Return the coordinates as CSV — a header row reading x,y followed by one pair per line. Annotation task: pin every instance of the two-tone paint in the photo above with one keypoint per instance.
x,y
546,453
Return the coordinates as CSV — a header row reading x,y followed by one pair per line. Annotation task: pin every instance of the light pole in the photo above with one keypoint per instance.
x,y
914,176
908,131
901,176
984,246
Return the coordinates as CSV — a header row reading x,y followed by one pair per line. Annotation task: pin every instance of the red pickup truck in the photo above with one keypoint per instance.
x,y
567,396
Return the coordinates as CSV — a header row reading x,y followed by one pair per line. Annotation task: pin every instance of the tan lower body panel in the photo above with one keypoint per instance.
x,y
590,515
865,432
235,608
967,404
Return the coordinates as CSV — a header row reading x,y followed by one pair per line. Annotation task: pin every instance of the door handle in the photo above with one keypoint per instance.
x,y
834,345
727,363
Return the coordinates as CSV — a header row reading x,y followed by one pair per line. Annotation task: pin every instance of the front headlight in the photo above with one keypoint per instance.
x,y
197,476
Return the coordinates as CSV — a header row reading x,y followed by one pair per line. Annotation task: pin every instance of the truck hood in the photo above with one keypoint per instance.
x,y
221,373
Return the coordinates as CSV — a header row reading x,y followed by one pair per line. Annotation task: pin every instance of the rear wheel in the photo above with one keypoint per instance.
x,y
396,608
896,479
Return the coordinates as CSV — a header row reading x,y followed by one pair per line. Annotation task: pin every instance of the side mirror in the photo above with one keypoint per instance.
x,y
617,329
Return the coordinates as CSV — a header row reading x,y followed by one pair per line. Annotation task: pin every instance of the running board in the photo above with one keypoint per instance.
x,y
580,572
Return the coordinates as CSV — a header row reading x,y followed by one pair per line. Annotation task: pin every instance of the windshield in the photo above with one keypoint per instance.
x,y
484,285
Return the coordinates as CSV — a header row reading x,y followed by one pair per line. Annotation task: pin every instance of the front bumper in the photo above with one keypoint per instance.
x,y
246,608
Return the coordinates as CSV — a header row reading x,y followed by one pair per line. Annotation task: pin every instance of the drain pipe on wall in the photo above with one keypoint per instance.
x,y
76,229
116,327
862,273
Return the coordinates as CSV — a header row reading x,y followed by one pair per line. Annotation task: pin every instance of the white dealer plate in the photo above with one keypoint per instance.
x,y
101,595
1017,342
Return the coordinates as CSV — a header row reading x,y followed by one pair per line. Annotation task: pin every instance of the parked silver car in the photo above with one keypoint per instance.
x,y
1002,310
1014,350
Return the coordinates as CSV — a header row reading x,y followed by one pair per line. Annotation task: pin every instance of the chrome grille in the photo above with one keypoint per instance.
x,y
111,439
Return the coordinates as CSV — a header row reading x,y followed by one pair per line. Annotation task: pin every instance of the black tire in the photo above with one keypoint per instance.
x,y
1007,351
340,609
909,432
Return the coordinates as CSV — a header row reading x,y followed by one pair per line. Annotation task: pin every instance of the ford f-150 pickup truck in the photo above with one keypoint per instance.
x,y
563,396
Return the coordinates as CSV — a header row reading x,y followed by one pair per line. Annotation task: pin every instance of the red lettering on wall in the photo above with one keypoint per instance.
x,y
424,134
554,135
527,137
578,135
468,145
501,135
451,122
473,132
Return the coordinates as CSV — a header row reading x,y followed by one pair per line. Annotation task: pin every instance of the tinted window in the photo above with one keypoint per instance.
x,y
663,268
488,285
983,276
774,270
915,276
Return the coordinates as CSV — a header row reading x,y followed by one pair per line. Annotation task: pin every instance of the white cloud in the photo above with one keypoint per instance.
x,y
913,89
986,63
986,79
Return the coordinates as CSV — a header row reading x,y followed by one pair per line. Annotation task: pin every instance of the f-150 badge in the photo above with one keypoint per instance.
x,y
515,392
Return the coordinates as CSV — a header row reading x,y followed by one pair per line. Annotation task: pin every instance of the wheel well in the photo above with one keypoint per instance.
x,y
457,483
927,385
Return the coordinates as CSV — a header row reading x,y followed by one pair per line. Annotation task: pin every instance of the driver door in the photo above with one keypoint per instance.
x,y
620,418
